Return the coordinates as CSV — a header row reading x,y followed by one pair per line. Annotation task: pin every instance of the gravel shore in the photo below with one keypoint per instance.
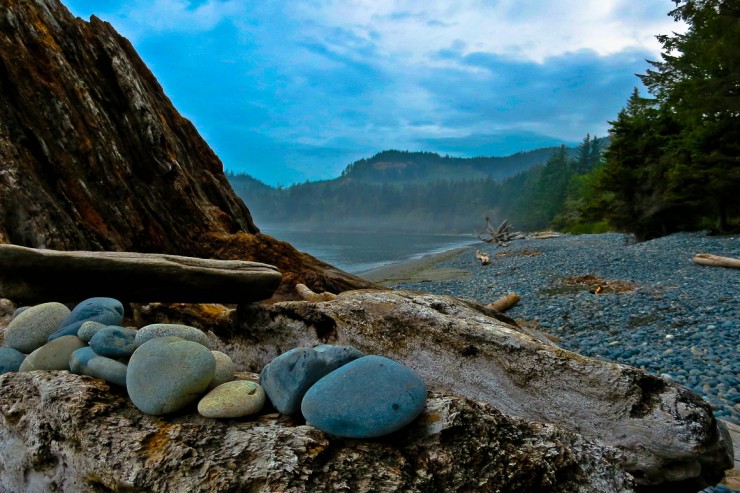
x,y
657,310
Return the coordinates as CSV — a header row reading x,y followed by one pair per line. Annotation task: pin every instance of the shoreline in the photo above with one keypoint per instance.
x,y
423,269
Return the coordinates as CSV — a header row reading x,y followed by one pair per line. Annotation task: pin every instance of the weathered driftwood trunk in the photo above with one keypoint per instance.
x,y
34,275
64,432
666,432
505,302
716,260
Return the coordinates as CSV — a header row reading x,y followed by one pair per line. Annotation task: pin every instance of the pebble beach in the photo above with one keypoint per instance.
x,y
605,296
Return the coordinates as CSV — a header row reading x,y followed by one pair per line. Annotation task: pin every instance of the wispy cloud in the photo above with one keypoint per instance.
x,y
298,89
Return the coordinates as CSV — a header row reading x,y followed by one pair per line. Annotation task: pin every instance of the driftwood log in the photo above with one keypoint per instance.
x,y
666,432
483,257
307,295
64,432
34,275
716,261
500,235
505,302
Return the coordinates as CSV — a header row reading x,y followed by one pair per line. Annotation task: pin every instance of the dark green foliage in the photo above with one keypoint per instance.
x,y
674,162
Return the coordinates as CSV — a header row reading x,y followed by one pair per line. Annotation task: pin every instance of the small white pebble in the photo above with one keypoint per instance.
x,y
669,336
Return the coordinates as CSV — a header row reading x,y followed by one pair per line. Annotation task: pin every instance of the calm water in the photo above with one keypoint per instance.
x,y
359,252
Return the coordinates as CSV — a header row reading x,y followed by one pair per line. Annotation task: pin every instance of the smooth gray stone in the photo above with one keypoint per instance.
x,y
54,355
88,329
168,373
366,398
114,342
225,369
287,377
85,361
152,331
29,274
31,329
108,311
10,359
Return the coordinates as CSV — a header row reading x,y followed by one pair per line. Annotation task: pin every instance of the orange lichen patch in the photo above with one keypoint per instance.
x,y
45,36
155,444
86,145
316,449
430,418
92,217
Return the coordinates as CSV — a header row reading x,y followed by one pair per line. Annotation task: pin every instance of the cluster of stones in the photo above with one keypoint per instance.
x,y
344,393
167,367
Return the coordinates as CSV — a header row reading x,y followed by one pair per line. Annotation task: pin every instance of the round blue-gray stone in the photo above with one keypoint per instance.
x,y
114,342
369,397
287,377
149,332
10,359
31,328
168,373
84,361
107,311
88,329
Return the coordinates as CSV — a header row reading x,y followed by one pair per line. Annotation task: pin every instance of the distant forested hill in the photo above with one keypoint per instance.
x,y
425,167
426,192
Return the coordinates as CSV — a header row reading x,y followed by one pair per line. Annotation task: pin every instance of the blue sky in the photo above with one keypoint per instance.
x,y
289,91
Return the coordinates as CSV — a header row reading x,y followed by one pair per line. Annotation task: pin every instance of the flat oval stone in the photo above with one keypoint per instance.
x,y
149,332
54,355
287,377
114,342
107,311
166,374
232,400
225,369
31,328
88,329
85,361
369,397
10,359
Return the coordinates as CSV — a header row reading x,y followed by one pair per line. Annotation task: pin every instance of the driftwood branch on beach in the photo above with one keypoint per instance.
x,y
500,235
483,257
716,261
505,302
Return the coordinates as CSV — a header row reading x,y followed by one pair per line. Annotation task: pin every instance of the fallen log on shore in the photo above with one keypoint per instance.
x,y
30,275
716,261
505,302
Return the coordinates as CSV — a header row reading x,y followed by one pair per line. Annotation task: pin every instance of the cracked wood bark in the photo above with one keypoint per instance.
x,y
33,275
64,432
668,435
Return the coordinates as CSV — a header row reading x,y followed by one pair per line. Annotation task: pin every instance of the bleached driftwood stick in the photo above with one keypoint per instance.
x,y
505,302
307,295
483,257
716,261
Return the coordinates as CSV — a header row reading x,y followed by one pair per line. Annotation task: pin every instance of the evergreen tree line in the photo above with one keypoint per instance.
x,y
674,159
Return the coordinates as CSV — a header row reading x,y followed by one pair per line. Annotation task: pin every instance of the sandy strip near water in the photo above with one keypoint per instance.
x,y
421,269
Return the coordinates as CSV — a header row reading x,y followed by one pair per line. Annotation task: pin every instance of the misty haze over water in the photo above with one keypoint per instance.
x,y
357,252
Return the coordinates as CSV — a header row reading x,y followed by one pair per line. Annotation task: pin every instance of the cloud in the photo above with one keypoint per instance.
x,y
293,90
140,18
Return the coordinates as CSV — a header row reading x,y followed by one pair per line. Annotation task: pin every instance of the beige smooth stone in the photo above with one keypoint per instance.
x,y
233,400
